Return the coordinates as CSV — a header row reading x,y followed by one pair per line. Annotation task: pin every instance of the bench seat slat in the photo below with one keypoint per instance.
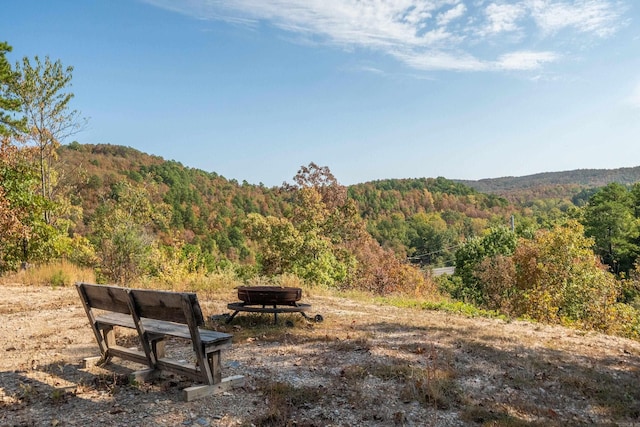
x,y
162,327
115,319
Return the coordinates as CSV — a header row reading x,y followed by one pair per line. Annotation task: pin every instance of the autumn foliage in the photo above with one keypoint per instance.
x,y
556,278
569,257
324,240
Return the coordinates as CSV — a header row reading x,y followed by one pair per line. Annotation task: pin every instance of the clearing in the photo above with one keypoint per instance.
x,y
365,365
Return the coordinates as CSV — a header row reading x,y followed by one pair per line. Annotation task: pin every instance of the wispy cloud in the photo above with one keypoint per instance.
x,y
444,18
598,17
459,35
366,69
502,18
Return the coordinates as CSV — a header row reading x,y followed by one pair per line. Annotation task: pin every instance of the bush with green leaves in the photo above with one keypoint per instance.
x,y
497,241
556,278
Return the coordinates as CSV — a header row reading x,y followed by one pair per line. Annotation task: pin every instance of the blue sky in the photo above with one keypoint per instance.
x,y
374,89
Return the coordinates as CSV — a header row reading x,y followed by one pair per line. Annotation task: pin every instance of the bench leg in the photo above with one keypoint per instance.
x,y
215,363
109,337
205,367
158,346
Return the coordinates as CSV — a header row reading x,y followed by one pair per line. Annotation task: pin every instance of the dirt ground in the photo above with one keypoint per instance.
x,y
365,365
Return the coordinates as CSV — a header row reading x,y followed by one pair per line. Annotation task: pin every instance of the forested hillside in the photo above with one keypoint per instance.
x,y
413,217
327,234
566,183
424,219
202,209
132,216
563,249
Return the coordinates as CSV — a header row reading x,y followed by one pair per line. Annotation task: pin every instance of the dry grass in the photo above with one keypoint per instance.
x,y
283,400
60,273
522,374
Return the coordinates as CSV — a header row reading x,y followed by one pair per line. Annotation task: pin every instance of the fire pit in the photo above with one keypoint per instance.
x,y
270,299
269,295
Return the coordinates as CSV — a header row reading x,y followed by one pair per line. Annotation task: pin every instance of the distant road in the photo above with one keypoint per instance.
x,y
443,270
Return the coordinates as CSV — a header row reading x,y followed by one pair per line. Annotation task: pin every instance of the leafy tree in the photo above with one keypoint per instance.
x,y
559,280
308,243
498,241
14,188
322,180
609,217
555,278
392,232
329,223
40,88
123,233
9,104
497,274
286,249
278,240
28,235
431,239
635,199
323,239
25,235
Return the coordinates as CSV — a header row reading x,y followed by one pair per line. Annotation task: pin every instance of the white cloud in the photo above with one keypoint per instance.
x,y
439,60
599,17
503,17
452,14
525,60
367,69
419,33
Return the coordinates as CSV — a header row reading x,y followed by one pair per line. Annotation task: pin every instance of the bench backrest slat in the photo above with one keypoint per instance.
x,y
164,305
109,298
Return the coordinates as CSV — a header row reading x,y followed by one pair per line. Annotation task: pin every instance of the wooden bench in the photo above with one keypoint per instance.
x,y
157,315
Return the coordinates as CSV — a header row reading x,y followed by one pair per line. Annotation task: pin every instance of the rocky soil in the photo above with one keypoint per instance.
x,y
365,365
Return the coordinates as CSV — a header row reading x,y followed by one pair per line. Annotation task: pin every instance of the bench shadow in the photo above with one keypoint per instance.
x,y
70,393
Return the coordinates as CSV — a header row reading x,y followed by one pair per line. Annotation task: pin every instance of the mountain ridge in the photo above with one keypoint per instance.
x,y
582,178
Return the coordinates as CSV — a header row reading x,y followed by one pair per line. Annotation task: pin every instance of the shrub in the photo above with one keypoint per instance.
x,y
556,278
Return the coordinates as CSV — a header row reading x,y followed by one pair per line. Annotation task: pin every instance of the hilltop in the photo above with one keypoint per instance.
x,y
579,178
132,159
367,364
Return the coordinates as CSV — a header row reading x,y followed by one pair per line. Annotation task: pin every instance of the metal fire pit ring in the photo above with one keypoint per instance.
x,y
270,299
269,295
